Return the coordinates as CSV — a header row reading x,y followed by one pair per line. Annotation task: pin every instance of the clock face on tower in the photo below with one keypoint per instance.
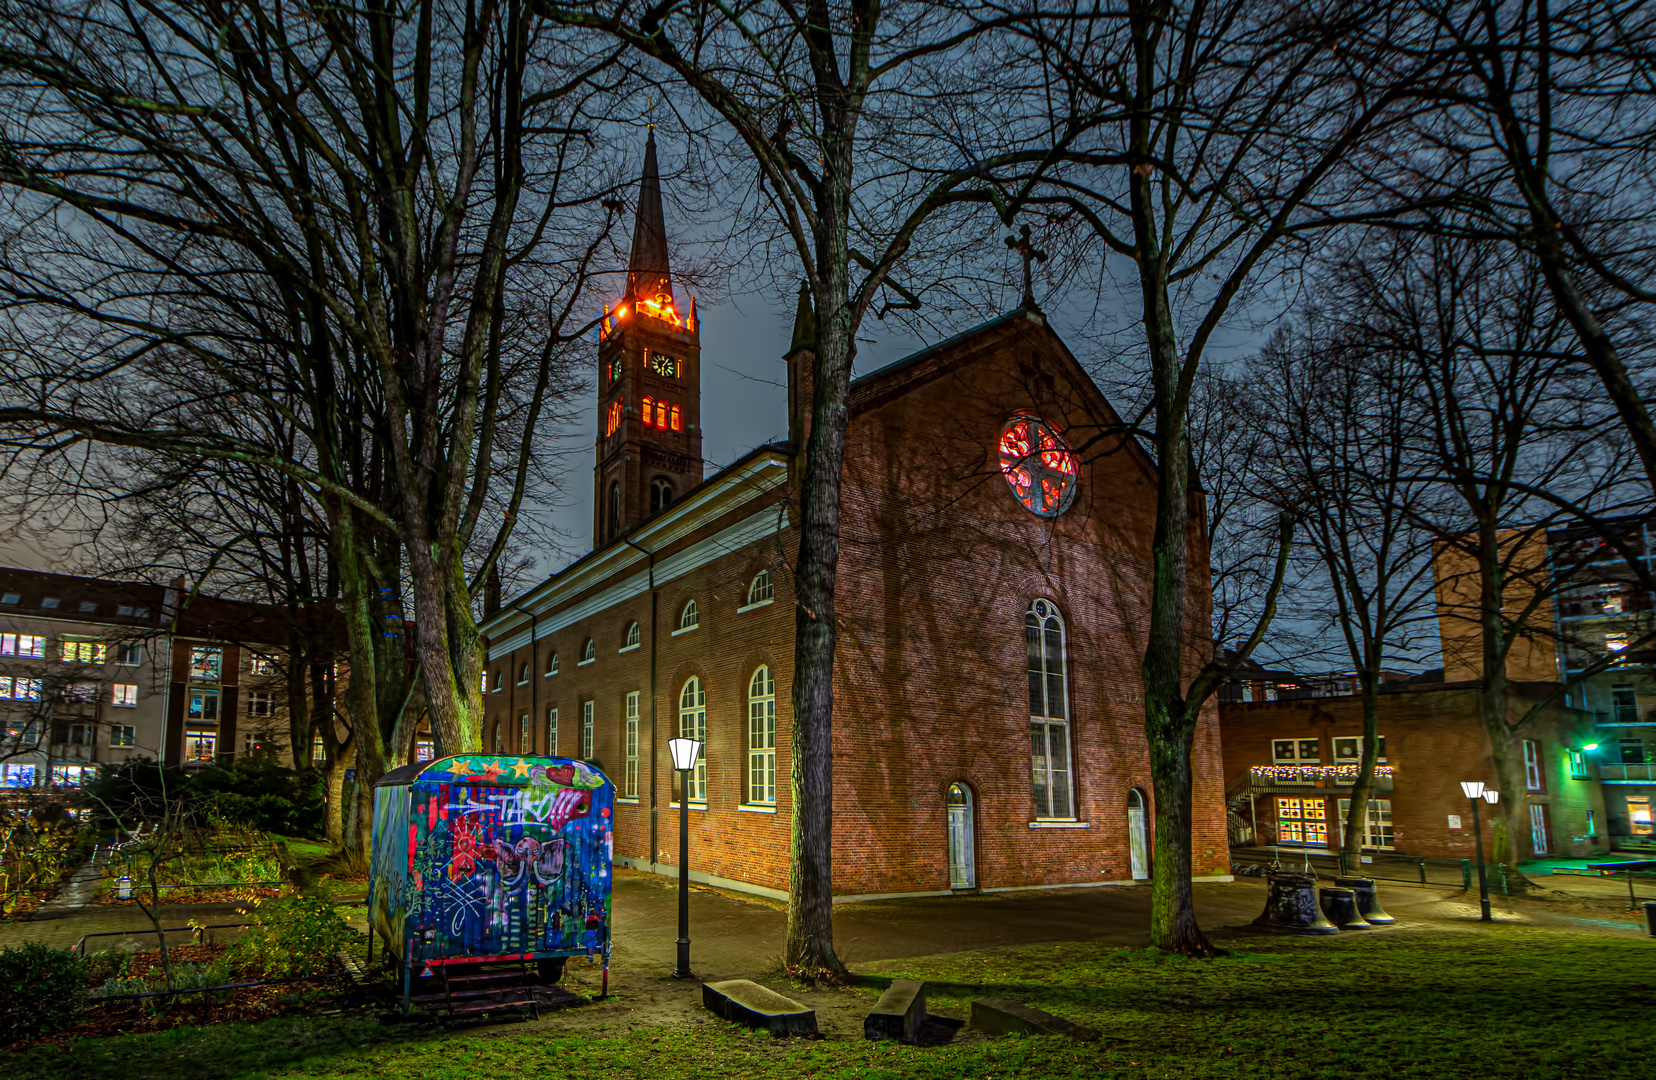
x,y
665,366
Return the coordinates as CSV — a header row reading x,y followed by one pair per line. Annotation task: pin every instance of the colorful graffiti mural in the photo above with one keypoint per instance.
x,y
483,857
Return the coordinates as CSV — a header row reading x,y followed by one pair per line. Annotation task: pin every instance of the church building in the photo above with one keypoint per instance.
x,y
993,592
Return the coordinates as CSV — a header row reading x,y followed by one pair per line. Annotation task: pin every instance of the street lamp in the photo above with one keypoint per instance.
x,y
1477,793
684,753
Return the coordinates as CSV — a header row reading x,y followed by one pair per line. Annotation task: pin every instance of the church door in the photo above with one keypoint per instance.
x,y
962,870
1135,835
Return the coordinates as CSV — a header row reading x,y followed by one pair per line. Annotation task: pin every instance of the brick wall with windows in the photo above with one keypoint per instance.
x,y
940,567
1434,739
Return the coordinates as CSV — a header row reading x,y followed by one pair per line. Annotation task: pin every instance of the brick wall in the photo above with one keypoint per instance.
x,y
1434,740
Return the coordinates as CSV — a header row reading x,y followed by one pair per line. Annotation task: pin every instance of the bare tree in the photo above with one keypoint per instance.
x,y
1197,147
861,126
311,210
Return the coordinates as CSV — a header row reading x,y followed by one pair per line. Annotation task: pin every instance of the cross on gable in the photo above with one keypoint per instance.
x,y
1031,255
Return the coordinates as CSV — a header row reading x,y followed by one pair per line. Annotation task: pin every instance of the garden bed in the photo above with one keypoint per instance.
x,y
130,1015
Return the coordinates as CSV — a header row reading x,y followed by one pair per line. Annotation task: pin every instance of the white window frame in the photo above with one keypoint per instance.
x,y
689,618
203,657
692,724
589,653
761,591
1532,764
551,666
123,695
629,776
1577,762
523,674
203,718
526,736
761,778
257,698
123,735
586,730
28,646
206,743
552,732
1374,837
73,650
129,649
631,638
1051,747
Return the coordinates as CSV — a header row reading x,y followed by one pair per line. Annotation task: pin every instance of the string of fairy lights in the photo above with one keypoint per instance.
x,y
1314,772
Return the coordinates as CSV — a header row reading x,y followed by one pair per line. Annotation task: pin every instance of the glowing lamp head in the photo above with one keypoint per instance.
x,y
684,753
1491,796
1590,746
1473,788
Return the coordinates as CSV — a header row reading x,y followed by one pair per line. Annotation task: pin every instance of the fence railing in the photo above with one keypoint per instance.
x,y
1626,773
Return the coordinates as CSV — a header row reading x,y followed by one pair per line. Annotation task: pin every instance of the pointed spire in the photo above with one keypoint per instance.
x,y
647,272
804,329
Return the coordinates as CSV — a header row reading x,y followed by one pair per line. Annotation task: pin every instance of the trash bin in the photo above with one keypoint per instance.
x,y
1650,917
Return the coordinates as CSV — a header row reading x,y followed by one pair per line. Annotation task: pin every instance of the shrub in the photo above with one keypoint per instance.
x,y
107,965
41,990
190,977
292,936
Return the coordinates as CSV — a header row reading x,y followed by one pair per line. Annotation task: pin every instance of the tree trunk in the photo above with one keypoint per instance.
x,y
810,939
1504,747
1362,789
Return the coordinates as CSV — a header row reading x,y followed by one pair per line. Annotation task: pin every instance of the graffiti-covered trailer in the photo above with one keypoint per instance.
x,y
484,858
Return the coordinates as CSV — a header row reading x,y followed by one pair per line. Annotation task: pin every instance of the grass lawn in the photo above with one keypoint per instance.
x,y
1486,1003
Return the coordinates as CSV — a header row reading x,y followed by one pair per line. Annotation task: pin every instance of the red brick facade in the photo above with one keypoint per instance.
x,y
939,565
1434,740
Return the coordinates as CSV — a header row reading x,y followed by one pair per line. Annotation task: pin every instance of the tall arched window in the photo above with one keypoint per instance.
x,y
690,617
615,510
761,786
630,639
552,664
526,738
693,725
661,495
589,651
1049,734
760,590
523,674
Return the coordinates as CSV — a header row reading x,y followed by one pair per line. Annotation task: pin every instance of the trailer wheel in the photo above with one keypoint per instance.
x,y
551,968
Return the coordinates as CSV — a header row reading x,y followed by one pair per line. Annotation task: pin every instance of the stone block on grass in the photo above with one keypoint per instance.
x,y
899,1012
744,1001
1001,1016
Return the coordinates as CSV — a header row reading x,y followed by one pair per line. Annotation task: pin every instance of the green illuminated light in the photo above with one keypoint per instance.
x,y
1591,746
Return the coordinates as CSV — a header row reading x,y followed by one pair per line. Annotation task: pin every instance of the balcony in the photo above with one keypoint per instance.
x,y
1622,717
1643,773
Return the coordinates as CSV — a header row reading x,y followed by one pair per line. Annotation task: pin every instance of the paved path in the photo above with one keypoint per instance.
x,y
736,936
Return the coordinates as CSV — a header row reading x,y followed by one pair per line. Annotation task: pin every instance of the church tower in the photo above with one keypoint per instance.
x,y
649,383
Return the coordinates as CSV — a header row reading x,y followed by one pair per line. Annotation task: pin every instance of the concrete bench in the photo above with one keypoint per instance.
x,y
1001,1016
899,1012
746,1002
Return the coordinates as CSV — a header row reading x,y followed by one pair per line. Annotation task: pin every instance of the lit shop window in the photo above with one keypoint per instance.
x,y
199,743
1301,821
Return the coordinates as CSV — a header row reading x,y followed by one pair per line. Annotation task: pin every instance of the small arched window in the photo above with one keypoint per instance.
x,y
523,674
678,419
497,681
630,639
615,509
760,590
661,495
693,725
552,664
1049,711
589,651
761,784
690,617
499,740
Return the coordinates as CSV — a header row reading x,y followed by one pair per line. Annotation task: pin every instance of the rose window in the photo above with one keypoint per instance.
x,y
1038,465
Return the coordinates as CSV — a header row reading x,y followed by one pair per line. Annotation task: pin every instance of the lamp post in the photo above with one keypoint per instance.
x,y
684,753
1477,793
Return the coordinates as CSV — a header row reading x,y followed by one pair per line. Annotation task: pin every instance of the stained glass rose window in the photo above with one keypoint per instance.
x,y
1038,465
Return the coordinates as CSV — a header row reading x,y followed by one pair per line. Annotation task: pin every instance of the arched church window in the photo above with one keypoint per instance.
x,y
649,412
693,725
661,495
1049,733
761,787
552,664
615,509
630,639
617,408
589,651
678,419
1039,466
689,618
761,591
523,674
